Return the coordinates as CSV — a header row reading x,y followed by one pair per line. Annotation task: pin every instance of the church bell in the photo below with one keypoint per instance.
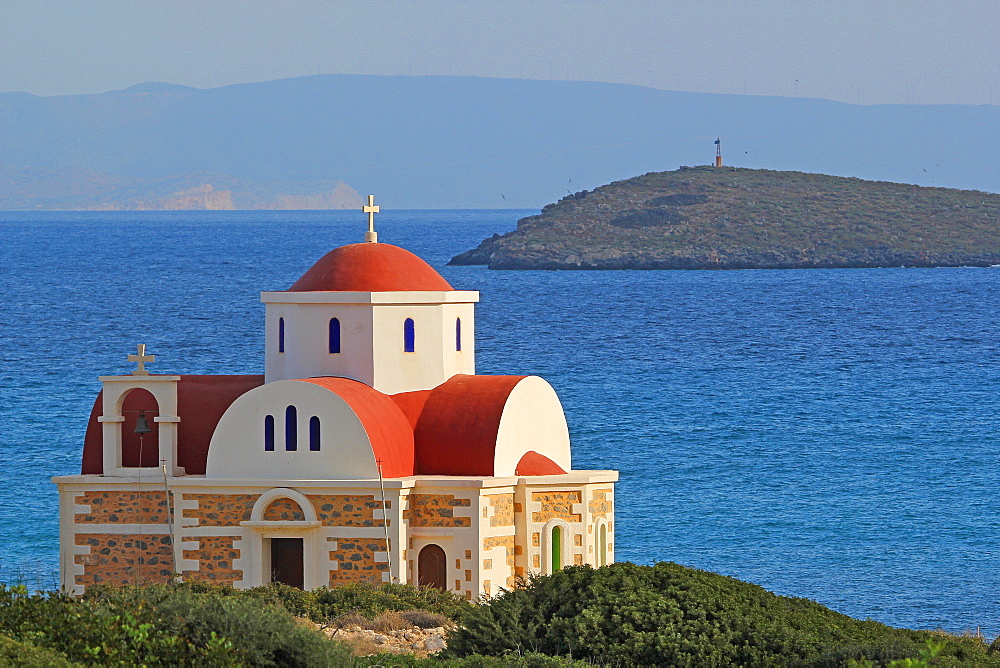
x,y
142,424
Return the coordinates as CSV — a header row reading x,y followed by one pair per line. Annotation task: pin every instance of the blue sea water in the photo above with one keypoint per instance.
x,y
831,434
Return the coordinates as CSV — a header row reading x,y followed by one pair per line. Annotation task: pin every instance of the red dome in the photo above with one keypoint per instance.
x,y
370,267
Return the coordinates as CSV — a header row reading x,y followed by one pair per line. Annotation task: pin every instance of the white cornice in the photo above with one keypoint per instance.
x,y
398,297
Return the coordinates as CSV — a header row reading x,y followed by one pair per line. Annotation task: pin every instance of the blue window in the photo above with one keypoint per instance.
x,y
269,433
291,429
458,334
409,336
281,335
334,335
314,434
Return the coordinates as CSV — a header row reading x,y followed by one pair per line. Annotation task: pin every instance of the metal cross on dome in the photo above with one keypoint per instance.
x,y
371,209
141,358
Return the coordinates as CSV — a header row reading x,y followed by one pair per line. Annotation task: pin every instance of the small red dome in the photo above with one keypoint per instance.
x,y
370,267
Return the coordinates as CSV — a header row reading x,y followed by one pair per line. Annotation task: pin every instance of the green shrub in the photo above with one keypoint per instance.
x,y
95,632
17,654
370,600
530,660
299,603
670,615
260,634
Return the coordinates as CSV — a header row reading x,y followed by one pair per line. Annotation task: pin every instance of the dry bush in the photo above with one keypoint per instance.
x,y
362,645
389,621
425,619
347,621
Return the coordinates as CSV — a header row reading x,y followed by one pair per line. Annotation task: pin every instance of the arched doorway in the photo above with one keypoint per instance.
x,y
432,568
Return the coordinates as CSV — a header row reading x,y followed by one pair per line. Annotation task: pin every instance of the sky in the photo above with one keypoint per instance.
x,y
863,52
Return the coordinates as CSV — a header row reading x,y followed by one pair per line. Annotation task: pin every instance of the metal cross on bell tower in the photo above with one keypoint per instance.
x,y
371,236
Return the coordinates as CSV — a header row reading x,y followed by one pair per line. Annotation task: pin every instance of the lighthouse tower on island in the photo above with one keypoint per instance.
x,y
369,450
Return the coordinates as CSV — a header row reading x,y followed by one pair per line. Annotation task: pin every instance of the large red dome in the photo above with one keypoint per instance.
x,y
370,267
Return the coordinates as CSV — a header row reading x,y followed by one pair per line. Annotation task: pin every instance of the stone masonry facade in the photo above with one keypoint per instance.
x,y
215,556
124,559
356,560
494,536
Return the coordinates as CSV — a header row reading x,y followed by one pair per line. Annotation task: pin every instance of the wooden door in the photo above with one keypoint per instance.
x,y
432,569
286,561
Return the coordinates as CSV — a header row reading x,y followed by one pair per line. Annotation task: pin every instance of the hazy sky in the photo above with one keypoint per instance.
x,y
869,51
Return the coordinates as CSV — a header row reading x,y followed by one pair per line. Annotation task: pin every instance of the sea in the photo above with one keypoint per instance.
x,y
827,434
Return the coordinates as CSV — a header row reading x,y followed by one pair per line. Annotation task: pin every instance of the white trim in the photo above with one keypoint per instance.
x,y
564,545
423,482
257,514
257,558
599,524
387,298
293,525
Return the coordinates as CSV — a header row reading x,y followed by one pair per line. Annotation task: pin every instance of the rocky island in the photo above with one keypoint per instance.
x,y
734,218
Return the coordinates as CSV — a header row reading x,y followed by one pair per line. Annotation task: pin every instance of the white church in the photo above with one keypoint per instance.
x,y
370,450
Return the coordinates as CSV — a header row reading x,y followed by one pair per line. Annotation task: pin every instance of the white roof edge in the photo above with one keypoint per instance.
x,y
577,477
396,297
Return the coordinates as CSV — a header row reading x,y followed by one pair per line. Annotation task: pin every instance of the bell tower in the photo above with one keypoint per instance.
x,y
164,391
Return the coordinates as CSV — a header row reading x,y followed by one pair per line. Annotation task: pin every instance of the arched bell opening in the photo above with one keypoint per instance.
x,y
140,437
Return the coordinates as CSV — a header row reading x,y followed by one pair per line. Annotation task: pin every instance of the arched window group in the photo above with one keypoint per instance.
x,y
292,431
334,335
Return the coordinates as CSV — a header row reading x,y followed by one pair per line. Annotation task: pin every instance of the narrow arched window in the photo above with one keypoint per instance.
x,y
602,559
334,335
281,335
314,434
458,334
269,433
409,336
556,548
291,429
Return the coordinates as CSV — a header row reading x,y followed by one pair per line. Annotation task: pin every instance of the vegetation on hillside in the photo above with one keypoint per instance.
x,y
619,615
732,218
667,614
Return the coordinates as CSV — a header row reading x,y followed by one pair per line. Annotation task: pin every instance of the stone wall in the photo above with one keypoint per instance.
x,y
346,510
600,505
503,509
215,556
355,559
123,559
507,543
436,510
283,510
123,508
556,505
225,510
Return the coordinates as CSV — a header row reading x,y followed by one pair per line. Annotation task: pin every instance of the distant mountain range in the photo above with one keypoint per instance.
x,y
448,142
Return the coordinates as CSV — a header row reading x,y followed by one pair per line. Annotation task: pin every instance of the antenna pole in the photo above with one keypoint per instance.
x,y
385,518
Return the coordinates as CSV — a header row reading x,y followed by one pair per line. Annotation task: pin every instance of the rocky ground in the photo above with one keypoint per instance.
x,y
414,640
